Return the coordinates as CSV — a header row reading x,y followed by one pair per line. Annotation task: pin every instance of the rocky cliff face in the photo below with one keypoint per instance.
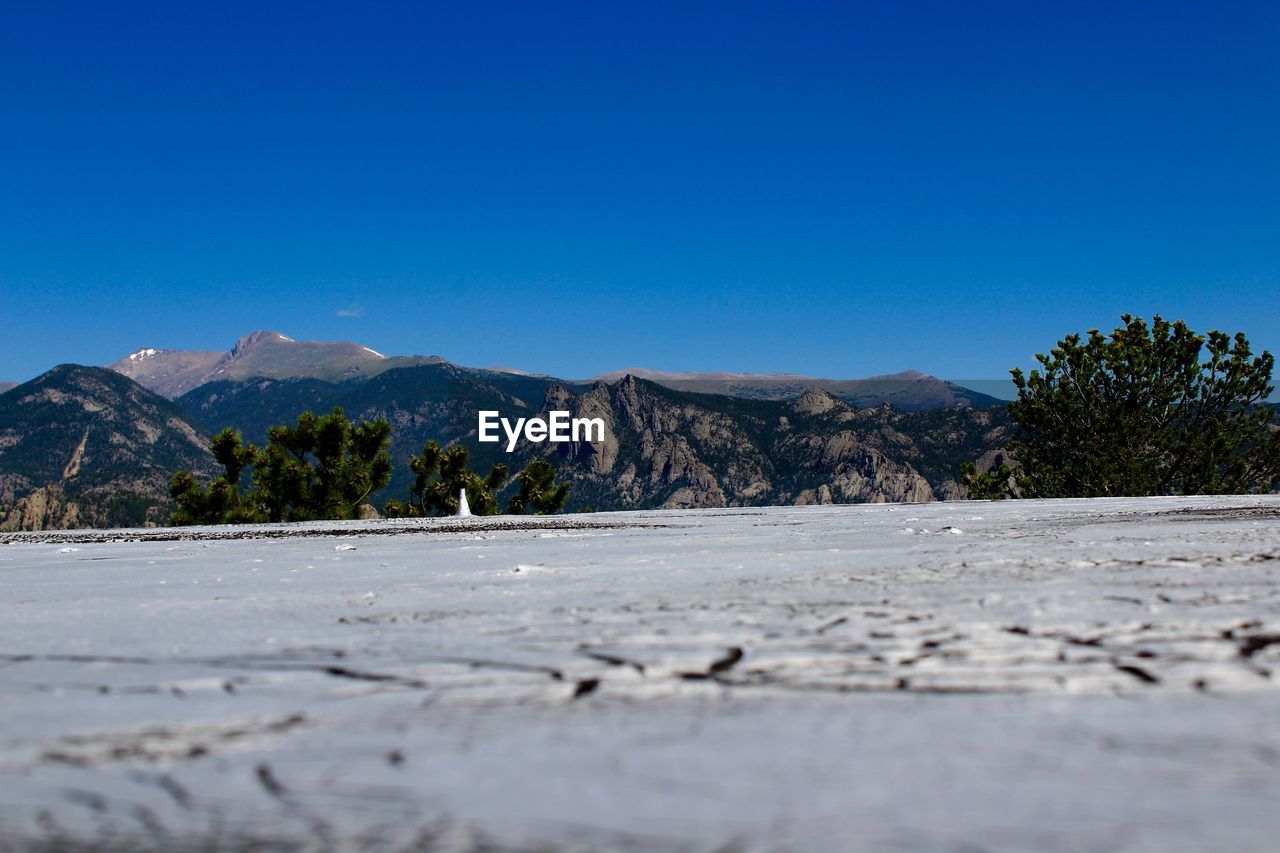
x,y
665,448
853,472
45,508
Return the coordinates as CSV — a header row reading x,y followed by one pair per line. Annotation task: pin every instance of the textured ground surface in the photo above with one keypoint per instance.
x,y
1075,675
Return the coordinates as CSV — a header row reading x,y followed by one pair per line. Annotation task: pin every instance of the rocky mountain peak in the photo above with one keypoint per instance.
x,y
815,401
256,339
264,352
557,398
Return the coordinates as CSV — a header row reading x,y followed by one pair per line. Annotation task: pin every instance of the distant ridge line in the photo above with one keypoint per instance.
x,y
273,355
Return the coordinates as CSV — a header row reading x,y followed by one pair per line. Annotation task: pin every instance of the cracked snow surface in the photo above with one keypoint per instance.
x,y
1074,675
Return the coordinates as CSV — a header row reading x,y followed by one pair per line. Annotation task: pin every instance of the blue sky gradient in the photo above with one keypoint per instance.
x,y
839,190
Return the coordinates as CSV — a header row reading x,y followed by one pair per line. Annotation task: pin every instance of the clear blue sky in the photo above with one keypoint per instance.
x,y
840,190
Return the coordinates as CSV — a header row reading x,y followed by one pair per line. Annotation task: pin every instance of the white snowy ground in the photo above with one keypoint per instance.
x,y
1071,675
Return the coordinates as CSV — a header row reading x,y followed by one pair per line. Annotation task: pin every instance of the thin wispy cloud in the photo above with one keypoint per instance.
x,y
351,311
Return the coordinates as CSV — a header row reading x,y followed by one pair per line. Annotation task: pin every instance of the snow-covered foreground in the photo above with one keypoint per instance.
x,y
1076,675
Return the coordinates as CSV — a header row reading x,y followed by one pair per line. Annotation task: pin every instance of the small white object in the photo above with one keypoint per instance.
x,y
344,547
463,509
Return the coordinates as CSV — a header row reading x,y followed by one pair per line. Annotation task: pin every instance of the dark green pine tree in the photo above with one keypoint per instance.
x,y
985,485
539,492
221,502
440,476
321,468
1156,410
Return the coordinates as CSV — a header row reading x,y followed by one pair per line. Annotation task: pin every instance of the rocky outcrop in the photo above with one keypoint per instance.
x,y
815,401
655,451
950,490
850,471
594,457
45,508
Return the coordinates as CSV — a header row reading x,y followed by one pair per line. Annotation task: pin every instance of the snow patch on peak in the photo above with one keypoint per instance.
x,y
144,354
374,351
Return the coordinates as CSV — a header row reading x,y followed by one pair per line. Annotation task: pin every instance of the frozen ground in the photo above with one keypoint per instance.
x,y
1073,675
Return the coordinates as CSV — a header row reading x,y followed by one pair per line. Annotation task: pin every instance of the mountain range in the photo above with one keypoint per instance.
x,y
909,390
670,448
86,446
174,372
